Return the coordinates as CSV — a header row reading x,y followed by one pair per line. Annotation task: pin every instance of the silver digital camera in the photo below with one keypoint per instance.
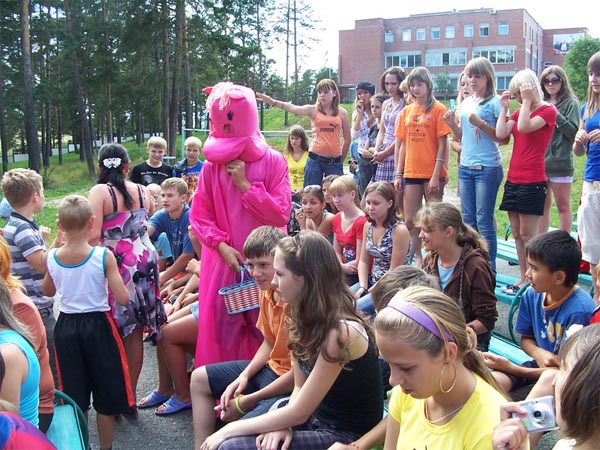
x,y
539,415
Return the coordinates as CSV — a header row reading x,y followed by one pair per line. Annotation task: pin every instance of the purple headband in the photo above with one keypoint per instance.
x,y
414,313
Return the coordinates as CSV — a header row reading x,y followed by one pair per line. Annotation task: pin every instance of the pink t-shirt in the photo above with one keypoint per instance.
x,y
527,160
347,240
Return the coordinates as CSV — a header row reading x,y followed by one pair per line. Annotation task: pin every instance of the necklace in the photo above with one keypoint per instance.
x,y
450,414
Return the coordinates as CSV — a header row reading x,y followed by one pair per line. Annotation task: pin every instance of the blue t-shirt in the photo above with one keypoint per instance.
x,y
592,165
548,325
477,147
177,232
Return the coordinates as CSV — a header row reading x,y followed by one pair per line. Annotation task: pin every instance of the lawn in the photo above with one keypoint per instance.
x,y
72,176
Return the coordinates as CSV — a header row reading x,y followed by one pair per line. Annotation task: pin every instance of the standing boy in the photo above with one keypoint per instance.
x,y
153,170
27,243
173,219
249,388
549,307
90,353
189,168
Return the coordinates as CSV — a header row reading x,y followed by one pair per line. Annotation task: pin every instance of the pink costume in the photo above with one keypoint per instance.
x,y
222,213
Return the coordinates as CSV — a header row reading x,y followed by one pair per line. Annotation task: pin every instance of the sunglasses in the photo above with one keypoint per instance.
x,y
312,187
552,80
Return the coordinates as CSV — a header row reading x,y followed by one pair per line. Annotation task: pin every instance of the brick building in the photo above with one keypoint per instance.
x,y
512,40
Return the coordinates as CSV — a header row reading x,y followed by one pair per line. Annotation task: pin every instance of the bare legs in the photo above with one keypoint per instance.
x,y
524,227
134,349
562,196
203,407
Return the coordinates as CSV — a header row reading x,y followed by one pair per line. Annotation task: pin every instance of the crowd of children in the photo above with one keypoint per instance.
x,y
145,257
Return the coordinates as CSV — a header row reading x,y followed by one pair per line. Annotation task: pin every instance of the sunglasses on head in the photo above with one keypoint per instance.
x,y
312,187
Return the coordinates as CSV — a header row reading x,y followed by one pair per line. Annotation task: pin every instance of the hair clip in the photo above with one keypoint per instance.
x,y
111,163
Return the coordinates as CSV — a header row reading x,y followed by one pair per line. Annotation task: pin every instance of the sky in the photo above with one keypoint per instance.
x,y
338,15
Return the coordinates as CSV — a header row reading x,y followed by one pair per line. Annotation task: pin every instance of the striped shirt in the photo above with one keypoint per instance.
x,y
24,238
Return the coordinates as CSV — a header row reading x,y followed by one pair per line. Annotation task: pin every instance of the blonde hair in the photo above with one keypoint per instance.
x,y
422,74
74,212
329,85
11,281
593,98
193,141
483,66
526,76
345,185
447,318
19,185
157,142
175,183
154,188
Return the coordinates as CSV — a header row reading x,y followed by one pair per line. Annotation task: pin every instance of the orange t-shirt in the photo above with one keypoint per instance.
x,y
271,323
326,132
420,131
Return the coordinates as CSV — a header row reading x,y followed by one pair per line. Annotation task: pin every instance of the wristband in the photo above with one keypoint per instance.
x,y
472,327
237,405
442,160
399,175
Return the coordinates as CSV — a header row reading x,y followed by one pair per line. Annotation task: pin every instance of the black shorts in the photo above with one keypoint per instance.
x,y
91,361
526,198
519,382
406,181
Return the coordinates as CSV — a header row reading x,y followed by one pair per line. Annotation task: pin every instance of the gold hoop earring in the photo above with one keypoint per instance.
x,y
453,381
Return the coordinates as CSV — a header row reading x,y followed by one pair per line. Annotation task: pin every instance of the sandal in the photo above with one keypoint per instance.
x,y
510,289
172,406
154,398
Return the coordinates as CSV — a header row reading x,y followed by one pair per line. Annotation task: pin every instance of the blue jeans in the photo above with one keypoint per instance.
x,y
314,171
365,303
478,192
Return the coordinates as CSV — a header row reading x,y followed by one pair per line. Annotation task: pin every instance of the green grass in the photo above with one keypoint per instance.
x,y
72,177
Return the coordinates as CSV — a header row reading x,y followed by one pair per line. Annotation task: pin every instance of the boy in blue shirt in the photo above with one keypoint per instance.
x,y
549,307
189,168
173,220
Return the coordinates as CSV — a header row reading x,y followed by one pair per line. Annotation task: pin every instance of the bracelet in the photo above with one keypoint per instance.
x,y
472,327
399,175
237,405
442,160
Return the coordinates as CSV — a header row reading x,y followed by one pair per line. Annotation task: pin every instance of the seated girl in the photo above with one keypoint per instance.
x,y
313,215
347,225
337,393
444,396
458,256
385,239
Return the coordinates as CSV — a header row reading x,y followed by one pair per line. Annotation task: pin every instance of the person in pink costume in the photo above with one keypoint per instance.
x,y
244,184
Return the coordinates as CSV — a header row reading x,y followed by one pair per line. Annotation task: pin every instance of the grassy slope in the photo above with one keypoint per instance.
x,y
72,176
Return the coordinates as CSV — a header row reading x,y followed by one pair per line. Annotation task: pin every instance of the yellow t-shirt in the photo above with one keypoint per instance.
x,y
470,429
296,169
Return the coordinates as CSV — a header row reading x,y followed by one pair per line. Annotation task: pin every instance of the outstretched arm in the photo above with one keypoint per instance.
x,y
304,110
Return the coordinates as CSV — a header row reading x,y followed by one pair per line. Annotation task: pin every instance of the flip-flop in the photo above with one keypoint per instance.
x,y
172,406
152,399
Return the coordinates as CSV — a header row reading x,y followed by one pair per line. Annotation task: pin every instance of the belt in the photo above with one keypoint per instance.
x,y
478,167
325,159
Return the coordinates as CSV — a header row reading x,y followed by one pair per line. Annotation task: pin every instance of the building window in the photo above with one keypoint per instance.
x,y
407,60
502,82
448,58
450,32
501,56
503,29
389,36
484,30
435,32
420,34
468,31
406,35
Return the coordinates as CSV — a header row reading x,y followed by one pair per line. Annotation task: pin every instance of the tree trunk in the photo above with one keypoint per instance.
x,y
187,85
165,65
287,62
296,69
31,133
3,135
174,109
86,148
59,136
